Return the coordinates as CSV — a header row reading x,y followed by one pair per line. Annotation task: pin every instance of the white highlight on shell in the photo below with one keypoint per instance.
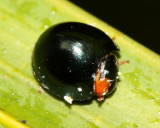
x,y
94,76
116,63
105,92
44,86
110,81
43,76
104,73
77,50
68,99
102,78
79,89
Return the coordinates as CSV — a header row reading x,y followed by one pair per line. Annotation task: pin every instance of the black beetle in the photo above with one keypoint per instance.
x,y
74,61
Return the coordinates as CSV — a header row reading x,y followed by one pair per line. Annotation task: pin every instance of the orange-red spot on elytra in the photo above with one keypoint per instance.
x,y
101,86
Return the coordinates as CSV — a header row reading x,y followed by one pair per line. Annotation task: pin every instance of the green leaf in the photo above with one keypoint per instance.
x,y
136,102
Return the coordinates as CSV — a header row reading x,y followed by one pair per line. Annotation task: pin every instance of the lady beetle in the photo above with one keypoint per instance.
x,y
75,61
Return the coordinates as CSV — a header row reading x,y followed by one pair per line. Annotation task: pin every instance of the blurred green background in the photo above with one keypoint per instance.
x,y
139,19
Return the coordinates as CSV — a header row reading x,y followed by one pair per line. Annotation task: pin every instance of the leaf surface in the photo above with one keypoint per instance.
x,y
135,104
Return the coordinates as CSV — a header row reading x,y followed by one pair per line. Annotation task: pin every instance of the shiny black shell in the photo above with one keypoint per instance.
x,y
66,56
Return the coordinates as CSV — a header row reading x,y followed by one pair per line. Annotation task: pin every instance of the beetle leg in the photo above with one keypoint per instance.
x,y
123,62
